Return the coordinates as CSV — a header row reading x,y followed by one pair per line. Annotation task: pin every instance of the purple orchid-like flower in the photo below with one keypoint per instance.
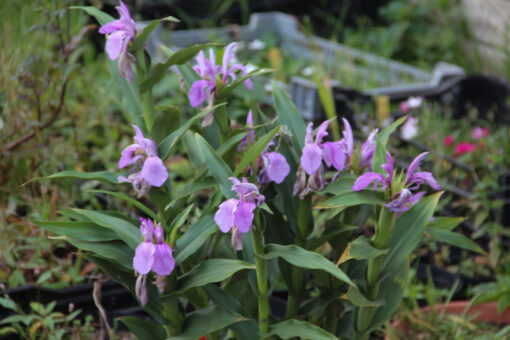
x,y
314,153
250,137
403,199
144,154
151,256
120,33
367,148
211,73
238,213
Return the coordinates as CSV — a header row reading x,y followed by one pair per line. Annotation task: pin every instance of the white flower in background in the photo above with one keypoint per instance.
x,y
308,71
256,45
410,128
268,87
251,67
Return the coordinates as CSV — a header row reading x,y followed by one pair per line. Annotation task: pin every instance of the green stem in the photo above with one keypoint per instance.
x,y
381,240
261,271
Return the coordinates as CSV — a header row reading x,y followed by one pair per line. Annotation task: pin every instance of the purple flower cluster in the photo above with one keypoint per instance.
x,y
402,197
211,74
238,213
149,256
120,33
143,153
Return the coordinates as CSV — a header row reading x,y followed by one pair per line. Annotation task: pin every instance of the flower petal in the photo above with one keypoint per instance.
x,y
244,216
276,166
321,132
126,156
114,44
311,158
224,217
333,155
142,262
348,138
425,177
113,26
164,262
227,56
198,92
415,164
154,171
366,179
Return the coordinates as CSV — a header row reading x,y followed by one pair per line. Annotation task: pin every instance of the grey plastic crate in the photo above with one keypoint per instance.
x,y
388,76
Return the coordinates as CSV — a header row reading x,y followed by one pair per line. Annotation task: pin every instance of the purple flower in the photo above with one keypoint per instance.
x,y
211,73
238,213
149,256
403,199
250,137
143,153
314,153
367,148
120,33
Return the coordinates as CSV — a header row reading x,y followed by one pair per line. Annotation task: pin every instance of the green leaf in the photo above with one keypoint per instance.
x,y
360,249
178,58
255,150
129,200
379,157
166,145
166,122
222,94
445,223
126,231
143,329
102,176
193,187
210,271
299,329
194,237
384,135
455,239
352,198
101,17
206,321
342,185
86,231
117,251
305,259
217,166
354,295
141,38
7,303
288,115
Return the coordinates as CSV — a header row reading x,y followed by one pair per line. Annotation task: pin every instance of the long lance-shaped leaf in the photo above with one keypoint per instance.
x,y
352,198
129,200
288,115
194,237
304,259
384,135
217,166
222,94
299,329
80,230
455,239
101,17
126,231
178,58
143,329
117,251
102,176
360,249
142,37
210,271
166,145
206,321
255,150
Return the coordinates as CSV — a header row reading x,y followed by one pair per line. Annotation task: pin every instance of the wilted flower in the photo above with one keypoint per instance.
x,y
480,132
120,33
448,140
238,213
149,256
463,148
211,74
410,128
143,153
410,103
399,187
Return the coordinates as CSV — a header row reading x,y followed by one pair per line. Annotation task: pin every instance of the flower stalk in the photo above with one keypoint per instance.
x,y
261,272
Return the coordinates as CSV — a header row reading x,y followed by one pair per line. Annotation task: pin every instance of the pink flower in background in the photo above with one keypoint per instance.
x,y
144,154
411,103
120,33
410,128
463,148
480,132
448,140
238,213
